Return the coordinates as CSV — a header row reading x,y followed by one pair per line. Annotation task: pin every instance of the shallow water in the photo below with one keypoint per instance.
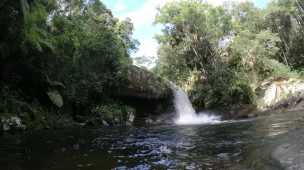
x,y
224,145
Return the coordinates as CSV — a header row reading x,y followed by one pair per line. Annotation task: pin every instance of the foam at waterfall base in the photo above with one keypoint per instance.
x,y
200,118
185,111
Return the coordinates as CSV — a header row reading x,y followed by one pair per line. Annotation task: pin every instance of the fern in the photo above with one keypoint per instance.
x,y
47,44
56,98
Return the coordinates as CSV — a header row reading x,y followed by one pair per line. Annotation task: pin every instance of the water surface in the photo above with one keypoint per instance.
x,y
225,145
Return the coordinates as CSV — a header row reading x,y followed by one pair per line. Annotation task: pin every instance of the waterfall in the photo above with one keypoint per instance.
x,y
185,112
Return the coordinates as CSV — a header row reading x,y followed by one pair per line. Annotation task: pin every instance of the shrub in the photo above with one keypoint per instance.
x,y
111,111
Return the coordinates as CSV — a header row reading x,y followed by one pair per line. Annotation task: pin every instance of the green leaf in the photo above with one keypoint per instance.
x,y
56,98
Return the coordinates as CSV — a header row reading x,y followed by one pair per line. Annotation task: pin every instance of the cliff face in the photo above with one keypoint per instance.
x,y
140,83
150,95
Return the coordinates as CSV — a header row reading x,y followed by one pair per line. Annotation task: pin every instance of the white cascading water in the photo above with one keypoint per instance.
x,y
186,113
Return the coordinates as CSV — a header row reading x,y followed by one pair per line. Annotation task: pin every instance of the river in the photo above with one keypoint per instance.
x,y
224,145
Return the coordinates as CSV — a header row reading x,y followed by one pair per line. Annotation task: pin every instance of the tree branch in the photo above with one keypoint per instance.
x,y
299,6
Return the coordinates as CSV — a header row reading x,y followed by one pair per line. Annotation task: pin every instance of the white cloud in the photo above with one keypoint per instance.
x,y
120,6
144,18
148,47
147,13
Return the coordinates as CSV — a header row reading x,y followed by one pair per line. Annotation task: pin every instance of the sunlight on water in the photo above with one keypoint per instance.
x,y
185,111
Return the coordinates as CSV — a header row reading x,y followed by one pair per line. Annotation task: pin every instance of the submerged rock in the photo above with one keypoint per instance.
x,y
12,124
130,119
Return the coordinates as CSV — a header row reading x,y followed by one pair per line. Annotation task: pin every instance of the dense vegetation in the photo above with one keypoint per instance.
x,y
61,58
67,58
220,54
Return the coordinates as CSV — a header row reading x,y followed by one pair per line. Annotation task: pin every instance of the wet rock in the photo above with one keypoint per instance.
x,y
130,119
105,123
6,127
148,121
251,115
82,124
117,121
12,124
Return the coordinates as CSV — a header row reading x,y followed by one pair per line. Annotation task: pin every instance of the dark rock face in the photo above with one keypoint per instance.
x,y
147,108
140,83
148,94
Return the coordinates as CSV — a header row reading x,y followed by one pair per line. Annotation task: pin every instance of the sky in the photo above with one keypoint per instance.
x,y
142,13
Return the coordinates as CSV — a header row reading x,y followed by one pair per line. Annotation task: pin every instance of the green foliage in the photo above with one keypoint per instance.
x,y
111,111
33,115
12,101
277,69
219,54
50,121
54,51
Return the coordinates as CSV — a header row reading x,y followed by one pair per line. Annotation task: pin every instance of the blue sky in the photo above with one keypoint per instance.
x,y
142,14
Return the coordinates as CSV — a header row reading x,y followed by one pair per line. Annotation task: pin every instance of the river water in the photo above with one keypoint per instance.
x,y
225,145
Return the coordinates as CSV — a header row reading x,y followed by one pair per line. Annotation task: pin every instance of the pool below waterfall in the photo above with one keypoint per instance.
x,y
223,145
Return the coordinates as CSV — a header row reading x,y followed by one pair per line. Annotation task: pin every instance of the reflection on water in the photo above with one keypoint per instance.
x,y
214,146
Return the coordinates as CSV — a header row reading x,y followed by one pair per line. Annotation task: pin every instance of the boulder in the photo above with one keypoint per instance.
x,y
282,94
105,123
130,118
12,124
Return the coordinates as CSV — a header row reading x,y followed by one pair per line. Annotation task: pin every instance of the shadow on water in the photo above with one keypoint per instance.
x,y
225,145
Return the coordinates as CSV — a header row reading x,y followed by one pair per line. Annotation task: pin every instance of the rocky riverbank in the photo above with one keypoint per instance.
x,y
273,95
